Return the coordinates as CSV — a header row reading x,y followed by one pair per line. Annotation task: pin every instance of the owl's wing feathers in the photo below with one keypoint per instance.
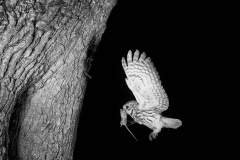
x,y
143,80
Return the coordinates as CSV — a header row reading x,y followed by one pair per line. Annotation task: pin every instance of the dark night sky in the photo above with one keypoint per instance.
x,y
190,49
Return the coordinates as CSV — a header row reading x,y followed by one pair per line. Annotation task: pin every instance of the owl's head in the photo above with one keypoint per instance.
x,y
130,106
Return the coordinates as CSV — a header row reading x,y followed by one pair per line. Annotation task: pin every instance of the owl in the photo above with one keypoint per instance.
x,y
151,99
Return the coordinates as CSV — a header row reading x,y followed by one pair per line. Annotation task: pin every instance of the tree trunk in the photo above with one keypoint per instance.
x,y
45,54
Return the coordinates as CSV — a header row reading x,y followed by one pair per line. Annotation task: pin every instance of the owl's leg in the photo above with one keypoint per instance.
x,y
153,135
165,122
159,125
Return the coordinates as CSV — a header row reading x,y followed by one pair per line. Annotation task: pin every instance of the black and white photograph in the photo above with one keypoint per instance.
x,y
111,79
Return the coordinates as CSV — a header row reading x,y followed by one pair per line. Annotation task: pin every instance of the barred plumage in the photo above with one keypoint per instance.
x,y
144,82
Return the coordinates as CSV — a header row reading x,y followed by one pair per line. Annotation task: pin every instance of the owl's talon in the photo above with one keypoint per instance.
x,y
152,136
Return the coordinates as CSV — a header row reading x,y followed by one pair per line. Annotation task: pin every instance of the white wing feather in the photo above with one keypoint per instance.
x,y
144,82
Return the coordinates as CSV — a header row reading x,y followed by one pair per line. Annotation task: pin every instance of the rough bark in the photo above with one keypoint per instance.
x,y
44,61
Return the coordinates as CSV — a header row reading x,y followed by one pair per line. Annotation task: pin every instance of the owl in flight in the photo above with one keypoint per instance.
x,y
151,99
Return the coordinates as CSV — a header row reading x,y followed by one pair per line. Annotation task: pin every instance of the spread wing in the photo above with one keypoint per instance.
x,y
144,82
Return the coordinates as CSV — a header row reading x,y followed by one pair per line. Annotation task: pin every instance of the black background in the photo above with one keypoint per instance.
x,y
191,46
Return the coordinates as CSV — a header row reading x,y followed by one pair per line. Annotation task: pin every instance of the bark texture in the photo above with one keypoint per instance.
x,y
44,60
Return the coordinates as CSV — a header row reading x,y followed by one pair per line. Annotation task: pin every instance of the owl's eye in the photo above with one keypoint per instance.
x,y
127,107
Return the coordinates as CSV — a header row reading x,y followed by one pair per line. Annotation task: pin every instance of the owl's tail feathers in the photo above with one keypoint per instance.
x,y
171,122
